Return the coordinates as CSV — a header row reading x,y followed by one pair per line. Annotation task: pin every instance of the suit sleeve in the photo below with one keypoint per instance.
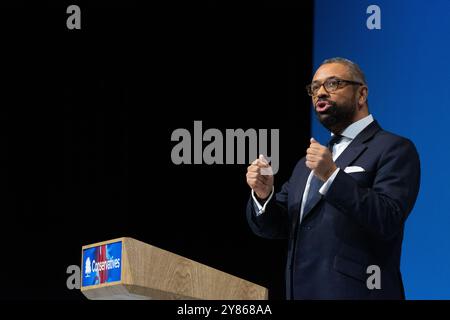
x,y
382,209
273,223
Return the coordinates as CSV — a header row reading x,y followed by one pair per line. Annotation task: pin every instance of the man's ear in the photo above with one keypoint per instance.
x,y
363,94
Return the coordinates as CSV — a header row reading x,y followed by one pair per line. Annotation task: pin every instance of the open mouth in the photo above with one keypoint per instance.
x,y
323,106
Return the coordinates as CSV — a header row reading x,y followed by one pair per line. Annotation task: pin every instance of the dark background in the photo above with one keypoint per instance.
x,y
86,120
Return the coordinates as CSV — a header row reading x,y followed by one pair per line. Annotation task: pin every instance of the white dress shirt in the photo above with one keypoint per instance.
x,y
348,135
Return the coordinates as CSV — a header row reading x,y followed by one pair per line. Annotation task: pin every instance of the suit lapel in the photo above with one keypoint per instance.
x,y
357,146
299,189
350,154
353,150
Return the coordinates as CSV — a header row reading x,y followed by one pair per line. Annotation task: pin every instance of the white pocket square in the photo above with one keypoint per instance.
x,y
354,169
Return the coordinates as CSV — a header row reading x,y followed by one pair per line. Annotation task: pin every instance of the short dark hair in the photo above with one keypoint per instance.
x,y
355,70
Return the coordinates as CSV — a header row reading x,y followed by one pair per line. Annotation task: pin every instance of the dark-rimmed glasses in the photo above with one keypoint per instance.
x,y
330,85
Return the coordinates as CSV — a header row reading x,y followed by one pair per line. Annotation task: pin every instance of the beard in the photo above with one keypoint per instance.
x,y
338,116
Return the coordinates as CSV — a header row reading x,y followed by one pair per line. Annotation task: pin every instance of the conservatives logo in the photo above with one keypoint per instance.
x,y
105,265
102,264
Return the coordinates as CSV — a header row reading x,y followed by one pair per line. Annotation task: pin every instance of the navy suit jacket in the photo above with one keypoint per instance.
x,y
358,223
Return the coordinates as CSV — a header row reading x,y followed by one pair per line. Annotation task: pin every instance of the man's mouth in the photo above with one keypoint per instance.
x,y
323,106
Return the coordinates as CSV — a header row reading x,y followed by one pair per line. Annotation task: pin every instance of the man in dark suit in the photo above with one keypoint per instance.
x,y
344,208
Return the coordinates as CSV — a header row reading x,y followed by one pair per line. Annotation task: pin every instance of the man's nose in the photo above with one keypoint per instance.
x,y
321,93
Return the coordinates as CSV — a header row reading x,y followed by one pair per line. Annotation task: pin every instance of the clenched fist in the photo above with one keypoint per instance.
x,y
320,160
259,177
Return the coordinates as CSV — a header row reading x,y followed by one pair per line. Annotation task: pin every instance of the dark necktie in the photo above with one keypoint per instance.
x,y
316,183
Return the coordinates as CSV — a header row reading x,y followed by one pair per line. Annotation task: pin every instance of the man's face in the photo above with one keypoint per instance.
x,y
335,110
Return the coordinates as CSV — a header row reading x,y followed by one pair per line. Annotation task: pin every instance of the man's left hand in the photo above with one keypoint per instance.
x,y
320,160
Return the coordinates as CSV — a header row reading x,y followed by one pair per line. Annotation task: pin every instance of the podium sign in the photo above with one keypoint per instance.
x,y
102,264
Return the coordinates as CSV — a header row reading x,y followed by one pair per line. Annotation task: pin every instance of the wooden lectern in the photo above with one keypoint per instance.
x,y
147,272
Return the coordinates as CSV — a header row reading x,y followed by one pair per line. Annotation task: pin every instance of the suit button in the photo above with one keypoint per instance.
x,y
308,228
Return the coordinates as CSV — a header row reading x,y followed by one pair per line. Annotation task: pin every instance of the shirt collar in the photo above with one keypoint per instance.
x,y
356,127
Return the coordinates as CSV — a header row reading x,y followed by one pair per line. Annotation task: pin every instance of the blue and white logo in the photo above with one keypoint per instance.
x,y
102,264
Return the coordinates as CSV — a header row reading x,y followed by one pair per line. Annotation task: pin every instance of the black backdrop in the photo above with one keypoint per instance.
x,y
86,121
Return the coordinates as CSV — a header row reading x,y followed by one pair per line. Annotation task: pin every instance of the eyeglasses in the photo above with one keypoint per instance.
x,y
330,85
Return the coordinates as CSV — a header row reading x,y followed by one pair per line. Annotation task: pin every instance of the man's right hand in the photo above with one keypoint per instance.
x,y
260,183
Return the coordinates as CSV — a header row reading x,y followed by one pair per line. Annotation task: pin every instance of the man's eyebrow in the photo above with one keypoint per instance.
x,y
332,77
